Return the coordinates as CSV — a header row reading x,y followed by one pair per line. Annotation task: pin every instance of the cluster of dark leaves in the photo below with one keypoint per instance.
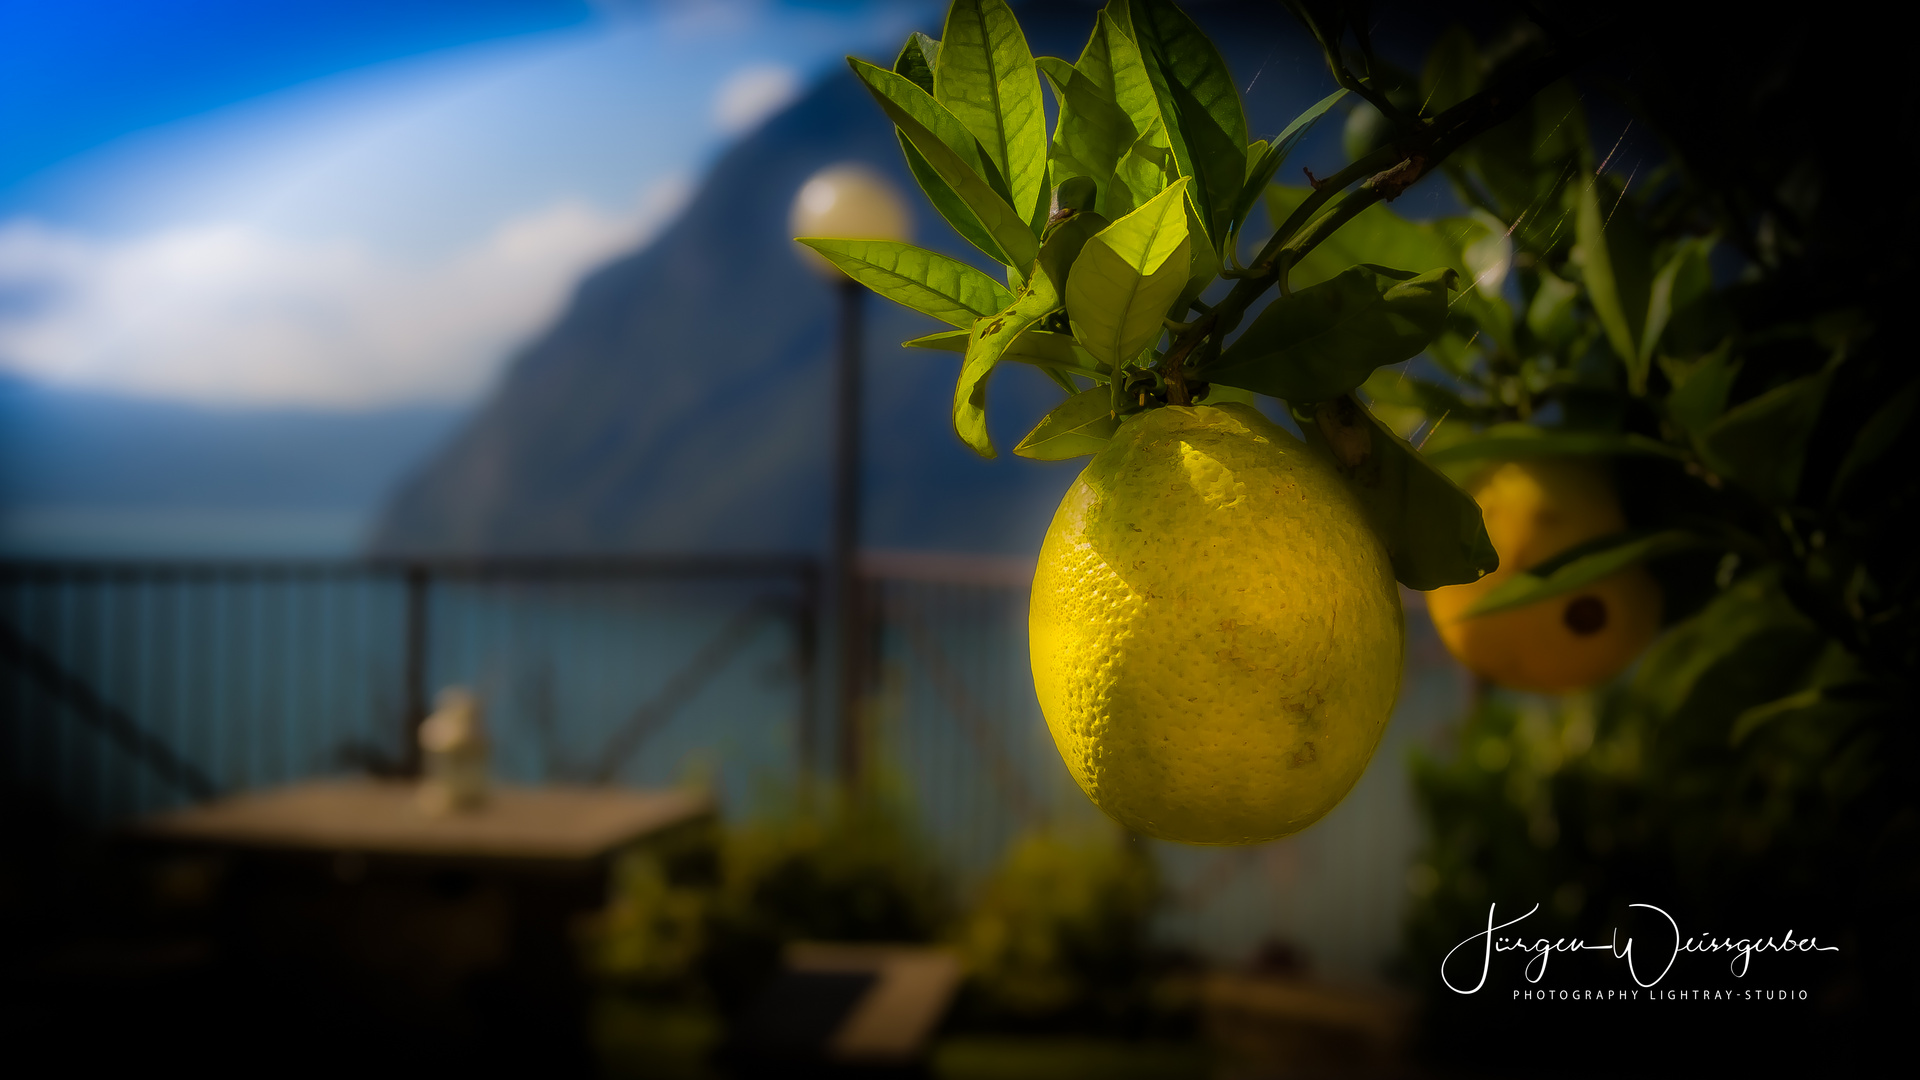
x,y
1755,772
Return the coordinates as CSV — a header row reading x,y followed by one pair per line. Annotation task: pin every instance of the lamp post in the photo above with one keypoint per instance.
x,y
850,202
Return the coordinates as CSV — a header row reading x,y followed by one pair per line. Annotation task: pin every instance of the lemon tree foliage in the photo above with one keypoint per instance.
x,y
1325,340
1709,337
1114,225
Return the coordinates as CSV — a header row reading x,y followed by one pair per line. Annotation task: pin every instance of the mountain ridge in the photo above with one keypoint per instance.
x,y
681,400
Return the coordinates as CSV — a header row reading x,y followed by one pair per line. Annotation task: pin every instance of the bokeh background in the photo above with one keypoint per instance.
x,y
309,310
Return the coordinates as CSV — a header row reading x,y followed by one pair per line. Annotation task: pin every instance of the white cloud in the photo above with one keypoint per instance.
x,y
752,94
230,314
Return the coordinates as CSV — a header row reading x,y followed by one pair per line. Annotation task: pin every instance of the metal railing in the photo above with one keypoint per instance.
x,y
126,689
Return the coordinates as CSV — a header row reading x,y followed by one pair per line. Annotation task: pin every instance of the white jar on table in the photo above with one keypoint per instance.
x,y
453,745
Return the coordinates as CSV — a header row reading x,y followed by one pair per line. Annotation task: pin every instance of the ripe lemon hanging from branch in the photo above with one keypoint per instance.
x,y
1216,633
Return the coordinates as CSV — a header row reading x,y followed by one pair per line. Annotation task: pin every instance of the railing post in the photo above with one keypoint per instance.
x,y
844,572
806,650
416,668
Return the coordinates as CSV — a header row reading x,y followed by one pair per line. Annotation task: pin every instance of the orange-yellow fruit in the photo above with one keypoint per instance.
x,y
1536,509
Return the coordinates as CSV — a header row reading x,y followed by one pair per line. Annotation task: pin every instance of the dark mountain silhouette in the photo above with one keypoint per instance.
x,y
682,400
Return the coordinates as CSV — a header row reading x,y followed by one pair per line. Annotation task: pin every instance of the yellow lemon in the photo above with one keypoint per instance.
x,y
1534,510
1216,633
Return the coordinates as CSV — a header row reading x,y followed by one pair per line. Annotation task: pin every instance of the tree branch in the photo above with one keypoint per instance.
x,y
1387,172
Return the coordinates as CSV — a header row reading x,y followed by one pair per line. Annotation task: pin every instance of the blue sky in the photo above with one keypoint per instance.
x,y
355,204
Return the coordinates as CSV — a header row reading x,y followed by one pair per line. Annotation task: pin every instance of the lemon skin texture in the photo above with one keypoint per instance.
x,y
1215,630
1535,509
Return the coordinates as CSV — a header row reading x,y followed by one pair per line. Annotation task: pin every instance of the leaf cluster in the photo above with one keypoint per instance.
x,y
1113,226
1592,326
1757,765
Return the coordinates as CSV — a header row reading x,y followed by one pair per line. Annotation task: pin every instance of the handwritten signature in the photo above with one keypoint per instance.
x,y
1743,949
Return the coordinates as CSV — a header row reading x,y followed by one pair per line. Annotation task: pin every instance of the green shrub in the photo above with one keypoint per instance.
x,y
1061,934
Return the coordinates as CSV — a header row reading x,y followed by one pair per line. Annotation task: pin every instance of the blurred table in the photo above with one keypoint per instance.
x,y
373,920
370,817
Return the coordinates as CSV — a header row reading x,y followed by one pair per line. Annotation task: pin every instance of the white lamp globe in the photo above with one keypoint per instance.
x,y
848,202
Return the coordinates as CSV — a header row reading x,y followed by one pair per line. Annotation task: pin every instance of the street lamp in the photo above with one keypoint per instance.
x,y
849,202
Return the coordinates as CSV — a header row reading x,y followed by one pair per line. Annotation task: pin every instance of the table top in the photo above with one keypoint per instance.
x,y
384,817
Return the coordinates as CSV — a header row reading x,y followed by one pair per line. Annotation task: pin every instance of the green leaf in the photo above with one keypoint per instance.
x,y
1756,717
988,341
1080,425
1379,236
1092,133
1613,259
1203,262
1582,566
1060,379
1059,351
1205,107
1839,694
1525,163
1484,247
1431,529
1096,59
916,60
1126,278
950,205
1325,340
925,122
925,281
1451,350
1043,208
1761,444
993,335
1552,316
1058,72
1878,435
1140,174
1041,348
990,338
1453,73
1143,44
1130,82
954,155
1699,394
1123,144
1387,386
1512,442
1263,164
1375,235
943,341
1683,280
985,76
1256,154
1748,647
1487,253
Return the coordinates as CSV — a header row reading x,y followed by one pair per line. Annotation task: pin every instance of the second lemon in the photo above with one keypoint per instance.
x,y
1534,510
